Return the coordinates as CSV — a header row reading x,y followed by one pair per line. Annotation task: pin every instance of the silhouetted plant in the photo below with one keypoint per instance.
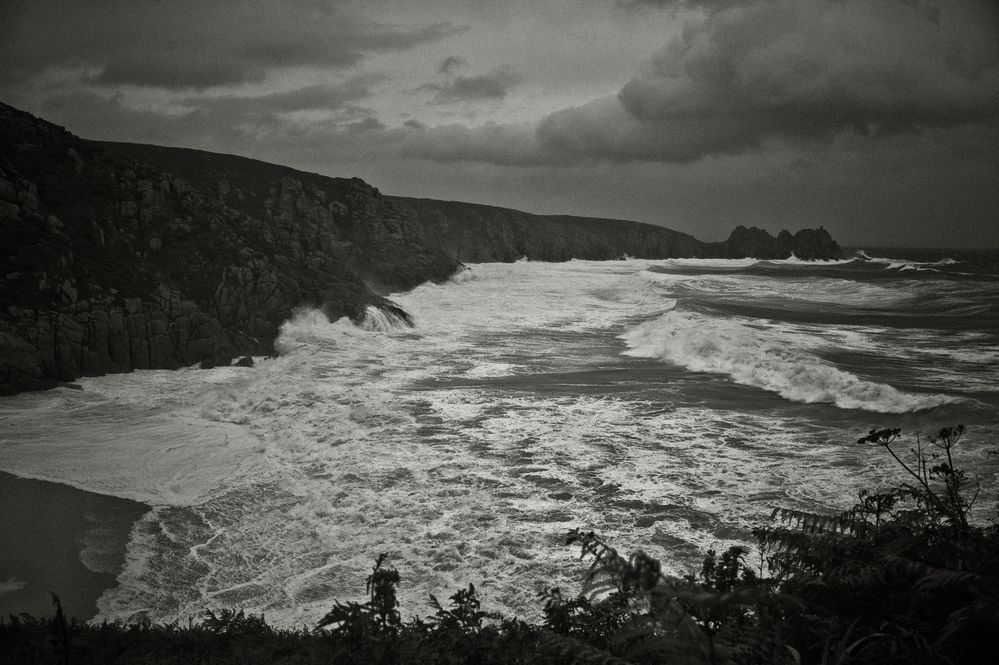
x,y
372,625
381,587
60,631
724,616
464,614
904,576
234,622
909,574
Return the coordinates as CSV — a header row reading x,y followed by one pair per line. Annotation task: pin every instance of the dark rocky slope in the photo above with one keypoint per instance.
x,y
116,257
120,257
475,233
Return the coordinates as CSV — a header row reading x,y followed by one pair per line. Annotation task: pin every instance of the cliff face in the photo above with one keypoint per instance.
x,y
116,257
477,233
121,257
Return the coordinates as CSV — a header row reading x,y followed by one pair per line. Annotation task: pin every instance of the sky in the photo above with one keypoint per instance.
x,y
877,119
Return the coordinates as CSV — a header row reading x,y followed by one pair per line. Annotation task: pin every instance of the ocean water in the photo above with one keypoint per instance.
x,y
58,539
669,405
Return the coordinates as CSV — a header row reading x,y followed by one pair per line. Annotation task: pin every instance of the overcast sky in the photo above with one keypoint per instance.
x,y
878,119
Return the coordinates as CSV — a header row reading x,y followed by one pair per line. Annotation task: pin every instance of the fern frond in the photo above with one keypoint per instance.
x,y
716,601
575,651
968,618
940,581
807,522
673,636
937,581
867,577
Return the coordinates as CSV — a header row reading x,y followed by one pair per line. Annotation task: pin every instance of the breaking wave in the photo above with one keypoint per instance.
x,y
466,450
306,324
753,358
384,319
297,330
794,260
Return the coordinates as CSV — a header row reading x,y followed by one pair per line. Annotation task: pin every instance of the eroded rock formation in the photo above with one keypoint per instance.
x,y
121,257
116,257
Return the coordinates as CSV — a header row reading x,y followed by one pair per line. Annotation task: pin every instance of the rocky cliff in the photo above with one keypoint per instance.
x,y
116,257
121,257
477,233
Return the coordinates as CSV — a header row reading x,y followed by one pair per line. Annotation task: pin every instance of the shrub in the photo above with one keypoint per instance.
x,y
903,576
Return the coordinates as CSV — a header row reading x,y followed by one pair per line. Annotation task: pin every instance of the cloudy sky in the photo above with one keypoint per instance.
x,y
878,119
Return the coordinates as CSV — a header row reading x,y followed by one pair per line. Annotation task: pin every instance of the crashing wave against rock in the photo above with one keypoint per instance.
x,y
125,256
383,318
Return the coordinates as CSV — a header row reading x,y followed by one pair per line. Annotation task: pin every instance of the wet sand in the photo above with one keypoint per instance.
x,y
58,539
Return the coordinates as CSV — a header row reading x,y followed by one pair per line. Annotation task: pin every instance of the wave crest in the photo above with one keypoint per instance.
x,y
307,323
384,319
302,325
751,358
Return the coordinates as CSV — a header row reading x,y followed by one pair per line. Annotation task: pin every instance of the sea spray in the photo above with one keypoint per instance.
x,y
299,328
753,357
467,450
384,318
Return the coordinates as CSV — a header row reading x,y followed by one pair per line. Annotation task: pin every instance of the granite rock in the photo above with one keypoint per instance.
x,y
119,256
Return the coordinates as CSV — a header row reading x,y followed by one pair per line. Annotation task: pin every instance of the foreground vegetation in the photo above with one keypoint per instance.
x,y
904,576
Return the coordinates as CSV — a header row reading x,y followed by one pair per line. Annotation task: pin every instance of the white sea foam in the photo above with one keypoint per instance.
x,y
464,448
795,261
300,327
382,320
466,274
902,265
712,263
488,369
737,350
142,436
801,291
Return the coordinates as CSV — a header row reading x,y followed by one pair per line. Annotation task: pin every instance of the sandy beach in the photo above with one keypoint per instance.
x,y
58,539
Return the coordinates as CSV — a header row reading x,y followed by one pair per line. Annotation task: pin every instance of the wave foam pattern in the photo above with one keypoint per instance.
x,y
464,448
758,358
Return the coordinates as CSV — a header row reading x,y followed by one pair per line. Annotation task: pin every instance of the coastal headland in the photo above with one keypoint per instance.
x,y
120,256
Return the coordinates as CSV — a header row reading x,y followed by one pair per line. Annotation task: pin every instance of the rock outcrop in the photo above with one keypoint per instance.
x,y
807,245
116,256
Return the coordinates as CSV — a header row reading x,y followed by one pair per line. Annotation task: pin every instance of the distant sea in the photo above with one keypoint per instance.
x,y
669,405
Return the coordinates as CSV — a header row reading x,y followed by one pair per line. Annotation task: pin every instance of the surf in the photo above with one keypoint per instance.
x,y
754,357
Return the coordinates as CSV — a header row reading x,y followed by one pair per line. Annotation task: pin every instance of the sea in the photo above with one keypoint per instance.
x,y
668,405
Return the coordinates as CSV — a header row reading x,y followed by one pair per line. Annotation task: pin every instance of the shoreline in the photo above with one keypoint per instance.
x,y
62,540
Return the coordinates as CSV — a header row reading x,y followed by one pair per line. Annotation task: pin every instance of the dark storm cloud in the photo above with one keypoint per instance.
x,y
192,44
369,124
309,98
808,69
489,86
930,11
226,122
507,145
107,118
604,130
451,63
711,5
799,71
